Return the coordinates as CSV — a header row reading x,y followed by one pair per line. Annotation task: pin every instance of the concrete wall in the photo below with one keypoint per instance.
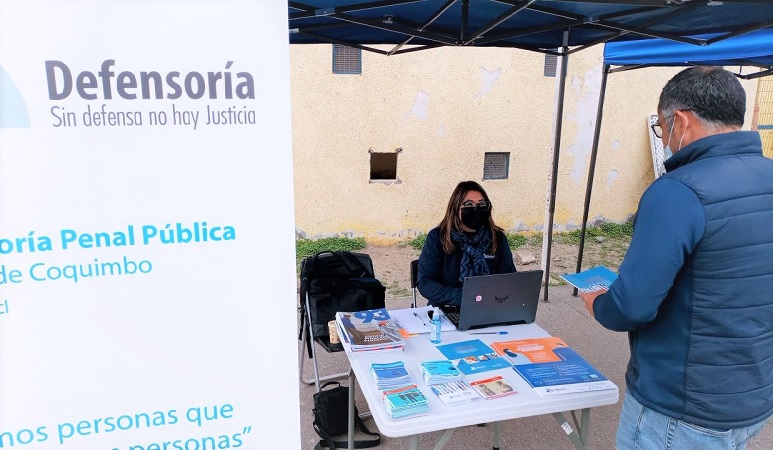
x,y
445,108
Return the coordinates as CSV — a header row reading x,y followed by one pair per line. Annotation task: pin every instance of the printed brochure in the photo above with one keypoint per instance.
x,y
369,330
494,387
455,393
437,372
473,356
405,402
591,280
551,367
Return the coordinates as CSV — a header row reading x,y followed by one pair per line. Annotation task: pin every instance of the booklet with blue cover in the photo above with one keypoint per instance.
x,y
591,280
441,371
473,356
367,330
551,367
405,402
390,375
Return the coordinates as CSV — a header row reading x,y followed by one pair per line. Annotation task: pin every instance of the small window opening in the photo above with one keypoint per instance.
x,y
347,60
383,166
496,165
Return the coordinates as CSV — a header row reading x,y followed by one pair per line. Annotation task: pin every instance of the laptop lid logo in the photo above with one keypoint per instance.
x,y
501,299
478,298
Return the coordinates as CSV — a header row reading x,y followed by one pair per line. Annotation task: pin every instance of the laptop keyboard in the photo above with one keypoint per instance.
x,y
452,315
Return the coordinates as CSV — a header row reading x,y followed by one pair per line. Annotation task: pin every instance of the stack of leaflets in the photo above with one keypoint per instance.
x,y
390,375
591,280
551,367
473,356
405,402
437,372
369,330
455,393
494,387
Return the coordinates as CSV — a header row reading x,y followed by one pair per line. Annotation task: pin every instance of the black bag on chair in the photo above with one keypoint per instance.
x,y
331,415
337,281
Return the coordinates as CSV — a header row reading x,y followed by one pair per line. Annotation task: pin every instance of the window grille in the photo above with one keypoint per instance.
x,y
496,165
551,62
347,60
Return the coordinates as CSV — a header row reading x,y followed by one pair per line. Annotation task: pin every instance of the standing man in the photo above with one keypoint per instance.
x,y
695,289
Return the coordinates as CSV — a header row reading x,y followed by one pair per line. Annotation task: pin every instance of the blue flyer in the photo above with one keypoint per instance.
x,y
473,356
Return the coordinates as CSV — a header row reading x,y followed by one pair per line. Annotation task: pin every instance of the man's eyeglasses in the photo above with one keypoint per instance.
x,y
658,130
482,205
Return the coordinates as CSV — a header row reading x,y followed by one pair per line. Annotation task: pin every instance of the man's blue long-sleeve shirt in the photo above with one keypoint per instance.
x,y
669,224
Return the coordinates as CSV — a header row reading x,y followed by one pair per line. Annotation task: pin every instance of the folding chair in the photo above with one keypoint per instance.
x,y
414,277
325,287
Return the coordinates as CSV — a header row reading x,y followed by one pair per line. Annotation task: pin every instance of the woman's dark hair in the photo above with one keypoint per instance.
x,y
451,221
714,95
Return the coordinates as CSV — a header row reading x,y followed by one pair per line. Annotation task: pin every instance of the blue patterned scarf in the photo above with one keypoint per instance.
x,y
474,246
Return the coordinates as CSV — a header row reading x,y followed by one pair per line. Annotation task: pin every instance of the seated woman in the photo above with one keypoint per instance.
x,y
467,243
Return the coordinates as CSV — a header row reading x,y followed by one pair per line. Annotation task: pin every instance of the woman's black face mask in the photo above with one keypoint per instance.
x,y
475,217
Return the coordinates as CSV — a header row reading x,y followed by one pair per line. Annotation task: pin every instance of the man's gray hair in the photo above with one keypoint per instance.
x,y
714,95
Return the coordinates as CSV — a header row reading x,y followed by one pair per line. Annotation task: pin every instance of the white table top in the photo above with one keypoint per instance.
x,y
418,348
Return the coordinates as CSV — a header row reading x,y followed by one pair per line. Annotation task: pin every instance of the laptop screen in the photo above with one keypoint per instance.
x,y
500,299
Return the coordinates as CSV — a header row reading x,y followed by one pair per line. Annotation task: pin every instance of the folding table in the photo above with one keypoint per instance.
x,y
525,403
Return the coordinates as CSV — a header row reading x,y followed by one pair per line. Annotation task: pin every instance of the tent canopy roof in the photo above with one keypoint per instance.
x,y
529,24
751,49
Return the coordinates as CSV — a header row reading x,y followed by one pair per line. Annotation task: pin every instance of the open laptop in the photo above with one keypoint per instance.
x,y
500,299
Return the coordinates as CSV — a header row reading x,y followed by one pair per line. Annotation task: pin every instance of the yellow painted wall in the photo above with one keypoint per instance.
x,y
764,122
445,108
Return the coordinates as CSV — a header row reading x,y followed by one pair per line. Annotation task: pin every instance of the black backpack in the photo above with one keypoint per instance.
x,y
331,418
336,281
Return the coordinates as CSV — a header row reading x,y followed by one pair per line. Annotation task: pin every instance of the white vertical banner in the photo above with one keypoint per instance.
x,y
147,264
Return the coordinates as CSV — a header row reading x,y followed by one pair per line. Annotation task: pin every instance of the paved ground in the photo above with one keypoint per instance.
x,y
565,317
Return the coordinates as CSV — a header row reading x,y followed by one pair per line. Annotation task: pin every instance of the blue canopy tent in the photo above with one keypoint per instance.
x,y
558,27
753,49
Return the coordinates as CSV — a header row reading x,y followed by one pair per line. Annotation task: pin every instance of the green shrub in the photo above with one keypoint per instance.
x,y
617,230
607,230
418,241
515,240
306,247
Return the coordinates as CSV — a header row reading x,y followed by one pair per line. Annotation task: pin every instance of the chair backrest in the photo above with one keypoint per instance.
x,y
338,281
414,278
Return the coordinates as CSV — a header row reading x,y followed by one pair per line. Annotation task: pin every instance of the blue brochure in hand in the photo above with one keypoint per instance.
x,y
591,280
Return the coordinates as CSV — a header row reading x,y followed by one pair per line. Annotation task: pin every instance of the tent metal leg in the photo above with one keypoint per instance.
x,y
547,237
592,170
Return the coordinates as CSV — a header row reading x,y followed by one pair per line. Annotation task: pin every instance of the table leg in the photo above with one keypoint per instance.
x,y
585,427
413,442
496,442
350,431
444,439
580,441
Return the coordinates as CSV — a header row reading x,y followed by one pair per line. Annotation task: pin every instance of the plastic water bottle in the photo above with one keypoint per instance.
x,y
435,324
